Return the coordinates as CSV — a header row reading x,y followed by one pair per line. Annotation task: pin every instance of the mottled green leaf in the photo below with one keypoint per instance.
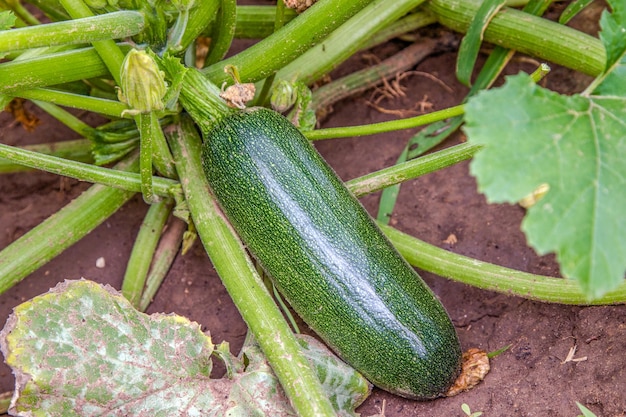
x,y
574,144
83,350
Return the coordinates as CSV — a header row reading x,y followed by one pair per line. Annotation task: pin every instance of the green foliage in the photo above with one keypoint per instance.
x,y
613,29
83,350
7,19
468,412
586,412
575,144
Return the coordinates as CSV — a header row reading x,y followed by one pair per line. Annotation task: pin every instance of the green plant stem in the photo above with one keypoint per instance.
x,y
345,40
492,277
164,256
262,98
145,157
129,181
114,25
144,250
52,9
163,160
75,150
277,50
411,169
527,34
23,16
67,118
400,28
201,98
257,22
374,128
242,282
200,16
60,231
52,69
108,50
359,81
77,101
224,31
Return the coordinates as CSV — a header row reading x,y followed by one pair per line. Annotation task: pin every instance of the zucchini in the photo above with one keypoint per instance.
x,y
327,257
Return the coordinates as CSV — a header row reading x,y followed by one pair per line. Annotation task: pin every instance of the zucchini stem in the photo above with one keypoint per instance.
x,y
493,277
61,230
144,249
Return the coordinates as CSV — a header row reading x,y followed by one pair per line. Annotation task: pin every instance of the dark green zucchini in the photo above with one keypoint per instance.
x,y
327,256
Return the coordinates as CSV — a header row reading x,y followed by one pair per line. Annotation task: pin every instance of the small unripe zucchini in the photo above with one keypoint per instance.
x,y
327,257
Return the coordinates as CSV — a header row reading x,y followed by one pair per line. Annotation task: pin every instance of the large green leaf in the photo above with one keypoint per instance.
x,y
83,350
576,145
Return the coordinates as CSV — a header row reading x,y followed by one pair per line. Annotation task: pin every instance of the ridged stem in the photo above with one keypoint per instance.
x,y
164,256
345,40
61,230
280,48
144,249
114,25
374,128
527,34
75,150
77,101
493,277
412,169
130,181
108,50
257,22
243,283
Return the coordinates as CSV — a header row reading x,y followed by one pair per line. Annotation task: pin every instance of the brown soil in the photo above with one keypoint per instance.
x,y
530,379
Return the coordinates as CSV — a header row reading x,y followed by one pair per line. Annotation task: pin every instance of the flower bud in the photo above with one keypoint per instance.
x,y
284,96
143,84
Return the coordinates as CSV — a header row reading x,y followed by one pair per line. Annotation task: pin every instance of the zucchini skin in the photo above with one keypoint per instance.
x,y
327,257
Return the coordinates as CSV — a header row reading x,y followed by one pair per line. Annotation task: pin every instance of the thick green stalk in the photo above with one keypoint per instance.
x,y
201,98
75,150
67,118
411,169
283,46
164,256
200,16
60,231
345,40
58,68
527,34
108,50
145,157
77,101
223,32
114,25
242,282
144,249
257,22
129,181
400,28
492,277
374,128
52,8
163,160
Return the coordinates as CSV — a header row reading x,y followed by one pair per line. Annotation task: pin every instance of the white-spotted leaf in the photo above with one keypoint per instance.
x,y
83,350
